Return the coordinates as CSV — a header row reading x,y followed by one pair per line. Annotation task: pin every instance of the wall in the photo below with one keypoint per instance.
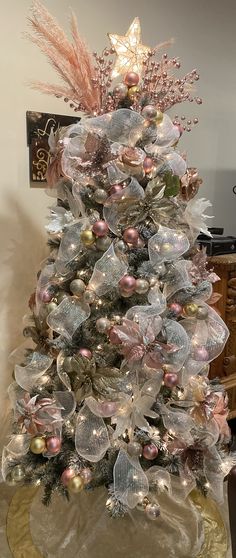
x,y
205,37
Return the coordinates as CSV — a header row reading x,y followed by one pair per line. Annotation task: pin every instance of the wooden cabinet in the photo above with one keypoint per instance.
x,y
224,366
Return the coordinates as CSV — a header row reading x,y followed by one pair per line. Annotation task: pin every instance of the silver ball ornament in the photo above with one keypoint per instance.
x,y
51,306
102,325
121,246
141,286
77,287
134,449
202,313
100,195
103,243
89,297
152,511
18,473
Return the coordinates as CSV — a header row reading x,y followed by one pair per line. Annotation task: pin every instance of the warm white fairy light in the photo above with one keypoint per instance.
x,y
130,52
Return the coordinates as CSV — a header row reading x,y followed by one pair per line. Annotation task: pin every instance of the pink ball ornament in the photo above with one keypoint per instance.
x,y
176,308
46,296
109,408
86,475
127,283
53,444
100,228
114,339
150,451
116,189
148,164
131,236
83,351
201,354
171,379
131,79
67,475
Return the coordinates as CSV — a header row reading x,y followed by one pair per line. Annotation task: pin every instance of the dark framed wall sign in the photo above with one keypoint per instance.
x,y
39,125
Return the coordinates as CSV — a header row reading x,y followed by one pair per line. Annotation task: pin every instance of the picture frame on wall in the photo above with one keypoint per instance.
x,y
38,127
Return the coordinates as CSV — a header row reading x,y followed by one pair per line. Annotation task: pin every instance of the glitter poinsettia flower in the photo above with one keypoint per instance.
x,y
138,342
38,415
195,217
132,410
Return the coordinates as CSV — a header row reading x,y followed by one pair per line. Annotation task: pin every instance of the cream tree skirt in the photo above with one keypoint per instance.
x,y
83,529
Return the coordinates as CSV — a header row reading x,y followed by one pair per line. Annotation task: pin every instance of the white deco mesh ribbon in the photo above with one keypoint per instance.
x,y
91,435
17,447
68,316
167,245
108,271
130,482
70,247
71,313
210,334
28,376
166,135
46,275
159,479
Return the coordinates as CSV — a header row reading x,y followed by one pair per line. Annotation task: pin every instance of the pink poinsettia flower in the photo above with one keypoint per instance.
x,y
38,416
139,343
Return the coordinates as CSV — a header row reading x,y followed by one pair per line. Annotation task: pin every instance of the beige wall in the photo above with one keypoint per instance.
x,y
205,38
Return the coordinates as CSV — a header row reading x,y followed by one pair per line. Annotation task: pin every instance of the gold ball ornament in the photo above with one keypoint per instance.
x,y
87,237
76,484
191,309
38,445
159,117
133,91
166,247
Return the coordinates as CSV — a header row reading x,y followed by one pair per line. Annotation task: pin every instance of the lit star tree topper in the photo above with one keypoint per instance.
x,y
130,52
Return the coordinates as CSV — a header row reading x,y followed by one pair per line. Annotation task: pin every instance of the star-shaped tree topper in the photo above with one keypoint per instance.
x,y
131,53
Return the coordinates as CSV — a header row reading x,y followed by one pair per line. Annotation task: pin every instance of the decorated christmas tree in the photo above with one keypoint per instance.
x,y
111,385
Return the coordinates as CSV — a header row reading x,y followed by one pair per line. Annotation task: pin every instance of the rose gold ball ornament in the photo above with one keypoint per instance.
x,y
131,79
76,484
141,286
127,283
152,511
67,475
86,353
131,236
120,91
100,228
148,165
87,237
86,475
150,451
171,379
38,445
115,189
176,308
53,444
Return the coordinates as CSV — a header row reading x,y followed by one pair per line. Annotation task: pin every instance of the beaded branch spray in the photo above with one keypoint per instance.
x,y
115,390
